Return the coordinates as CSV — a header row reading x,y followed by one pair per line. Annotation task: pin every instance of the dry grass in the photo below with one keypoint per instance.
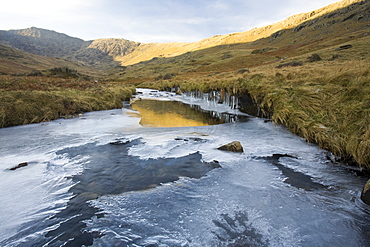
x,y
27,100
327,103
146,52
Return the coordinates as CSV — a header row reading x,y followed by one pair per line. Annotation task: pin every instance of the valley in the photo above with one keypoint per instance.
x,y
257,138
309,72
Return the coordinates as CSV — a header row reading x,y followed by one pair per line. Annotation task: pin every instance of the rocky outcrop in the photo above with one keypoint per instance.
x,y
242,71
314,58
235,146
344,47
114,47
263,50
290,64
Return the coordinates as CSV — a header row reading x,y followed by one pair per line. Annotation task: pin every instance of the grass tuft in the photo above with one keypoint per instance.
x,y
27,100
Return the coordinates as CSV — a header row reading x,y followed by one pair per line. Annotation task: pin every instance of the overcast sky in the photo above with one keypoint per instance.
x,y
150,20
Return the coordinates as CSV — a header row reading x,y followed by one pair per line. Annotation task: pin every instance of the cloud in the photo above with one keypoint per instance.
x,y
150,20
42,8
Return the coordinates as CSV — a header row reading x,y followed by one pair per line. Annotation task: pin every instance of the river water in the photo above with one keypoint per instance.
x,y
118,178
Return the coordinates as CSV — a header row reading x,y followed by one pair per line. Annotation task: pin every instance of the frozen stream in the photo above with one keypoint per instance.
x,y
103,179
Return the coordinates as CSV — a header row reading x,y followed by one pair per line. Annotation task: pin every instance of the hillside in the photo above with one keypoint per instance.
x,y
326,28
110,54
299,35
149,51
41,42
312,77
17,62
97,54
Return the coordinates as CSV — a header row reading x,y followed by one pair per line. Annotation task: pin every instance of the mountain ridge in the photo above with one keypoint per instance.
x,y
254,34
104,54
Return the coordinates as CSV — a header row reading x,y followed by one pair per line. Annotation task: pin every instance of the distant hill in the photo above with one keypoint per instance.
x,y
42,42
110,54
14,61
98,54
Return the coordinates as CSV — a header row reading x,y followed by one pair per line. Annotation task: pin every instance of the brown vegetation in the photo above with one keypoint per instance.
x,y
35,99
326,102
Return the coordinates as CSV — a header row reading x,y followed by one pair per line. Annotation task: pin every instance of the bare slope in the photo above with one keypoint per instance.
x,y
14,61
318,31
96,54
110,53
41,42
149,51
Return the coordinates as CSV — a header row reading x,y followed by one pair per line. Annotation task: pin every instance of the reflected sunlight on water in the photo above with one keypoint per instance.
x,y
155,113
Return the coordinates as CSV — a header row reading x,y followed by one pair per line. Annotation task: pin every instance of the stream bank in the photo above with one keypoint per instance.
x,y
105,180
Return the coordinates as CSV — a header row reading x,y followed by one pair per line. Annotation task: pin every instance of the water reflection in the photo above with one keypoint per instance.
x,y
156,113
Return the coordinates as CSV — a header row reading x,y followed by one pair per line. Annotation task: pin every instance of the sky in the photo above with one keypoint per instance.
x,y
149,21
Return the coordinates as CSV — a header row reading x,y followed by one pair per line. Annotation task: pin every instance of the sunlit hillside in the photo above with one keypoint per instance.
x,y
299,35
17,62
149,51
107,54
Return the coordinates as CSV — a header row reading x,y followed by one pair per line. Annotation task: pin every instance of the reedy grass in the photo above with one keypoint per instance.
x,y
326,104
46,99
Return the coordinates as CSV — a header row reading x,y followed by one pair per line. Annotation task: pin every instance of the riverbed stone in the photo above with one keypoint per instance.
x,y
19,166
235,146
365,195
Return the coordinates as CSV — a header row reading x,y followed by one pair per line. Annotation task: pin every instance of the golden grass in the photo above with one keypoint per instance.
x,y
148,51
26,100
328,107
326,103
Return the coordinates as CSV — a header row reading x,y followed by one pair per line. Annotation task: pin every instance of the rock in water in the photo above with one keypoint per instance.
x,y
365,195
235,146
19,166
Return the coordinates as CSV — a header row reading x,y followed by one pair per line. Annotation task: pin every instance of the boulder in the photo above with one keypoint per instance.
x,y
365,195
335,56
242,71
263,50
344,47
290,64
19,166
235,146
168,76
226,55
35,73
314,58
